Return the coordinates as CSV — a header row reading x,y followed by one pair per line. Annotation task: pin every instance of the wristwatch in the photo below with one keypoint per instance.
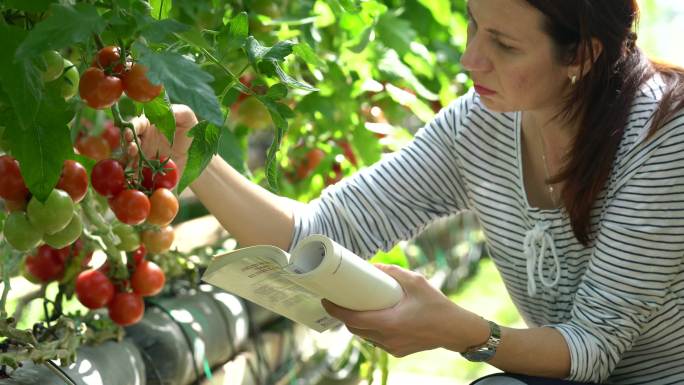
x,y
487,350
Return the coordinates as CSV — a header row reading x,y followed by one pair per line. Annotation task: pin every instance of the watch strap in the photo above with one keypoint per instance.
x,y
487,350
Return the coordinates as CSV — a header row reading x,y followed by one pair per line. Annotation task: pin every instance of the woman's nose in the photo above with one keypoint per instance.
x,y
474,58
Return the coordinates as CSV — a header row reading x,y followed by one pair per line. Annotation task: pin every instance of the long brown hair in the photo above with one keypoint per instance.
x,y
601,99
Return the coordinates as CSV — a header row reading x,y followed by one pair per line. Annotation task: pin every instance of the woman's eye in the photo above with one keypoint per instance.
x,y
503,46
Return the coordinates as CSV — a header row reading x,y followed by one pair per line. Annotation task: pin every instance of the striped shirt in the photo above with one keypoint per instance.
x,y
619,303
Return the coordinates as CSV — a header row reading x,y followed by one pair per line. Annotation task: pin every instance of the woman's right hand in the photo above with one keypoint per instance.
x,y
154,143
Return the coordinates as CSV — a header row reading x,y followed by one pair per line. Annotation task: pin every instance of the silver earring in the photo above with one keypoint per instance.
x,y
573,80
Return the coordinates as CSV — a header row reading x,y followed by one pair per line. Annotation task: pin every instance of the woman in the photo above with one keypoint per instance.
x,y
570,149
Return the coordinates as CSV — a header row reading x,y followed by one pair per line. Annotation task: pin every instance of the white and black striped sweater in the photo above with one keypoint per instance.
x,y
619,303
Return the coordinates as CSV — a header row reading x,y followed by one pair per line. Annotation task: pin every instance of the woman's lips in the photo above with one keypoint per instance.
x,y
484,91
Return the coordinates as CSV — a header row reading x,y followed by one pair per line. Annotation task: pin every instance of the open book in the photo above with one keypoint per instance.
x,y
293,284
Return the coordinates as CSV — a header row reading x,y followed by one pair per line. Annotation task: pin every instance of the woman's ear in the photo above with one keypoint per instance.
x,y
587,55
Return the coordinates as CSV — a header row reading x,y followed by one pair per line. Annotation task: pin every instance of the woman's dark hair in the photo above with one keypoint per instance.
x,y
601,99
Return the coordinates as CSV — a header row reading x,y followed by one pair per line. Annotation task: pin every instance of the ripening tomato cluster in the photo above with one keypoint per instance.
x,y
110,75
124,300
54,221
133,206
48,264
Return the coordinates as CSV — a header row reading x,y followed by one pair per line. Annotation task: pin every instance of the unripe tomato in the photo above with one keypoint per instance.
x,y
54,65
157,240
74,180
163,207
20,233
166,179
98,89
94,147
137,86
94,289
53,215
126,308
109,58
69,80
148,279
12,185
130,206
129,239
108,177
67,235
46,265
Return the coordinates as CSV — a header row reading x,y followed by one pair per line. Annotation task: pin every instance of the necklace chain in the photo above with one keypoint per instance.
x,y
549,186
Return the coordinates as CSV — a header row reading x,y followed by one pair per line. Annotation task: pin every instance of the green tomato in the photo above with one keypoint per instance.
x,y
20,233
54,65
67,235
53,215
70,79
129,240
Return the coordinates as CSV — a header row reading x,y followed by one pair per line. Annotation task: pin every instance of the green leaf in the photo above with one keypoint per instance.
x,y
206,137
158,31
232,151
347,5
440,9
194,37
279,51
235,34
257,52
184,81
42,148
66,26
159,112
279,114
19,79
160,8
277,91
30,6
306,53
395,32
292,82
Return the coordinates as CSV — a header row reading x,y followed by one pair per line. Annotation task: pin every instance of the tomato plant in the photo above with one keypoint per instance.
x,y
109,59
129,240
163,207
137,86
53,215
94,147
54,65
108,177
69,80
47,264
12,185
148,279
20,233
157,240
166,177
98,89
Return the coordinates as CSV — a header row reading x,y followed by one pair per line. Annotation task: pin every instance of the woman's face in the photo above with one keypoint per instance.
x,y
511,59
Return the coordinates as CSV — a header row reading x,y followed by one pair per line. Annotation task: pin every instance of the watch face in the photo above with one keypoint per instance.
x,y
479,355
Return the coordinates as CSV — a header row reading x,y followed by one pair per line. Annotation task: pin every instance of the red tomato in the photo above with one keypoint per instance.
x,y
126,308
98,89
148,279
164,207
108,177
94,289
112,134
94,147
137,86
157,240
47,264
130,206
138,255
74,180
166,179
12,185
109,58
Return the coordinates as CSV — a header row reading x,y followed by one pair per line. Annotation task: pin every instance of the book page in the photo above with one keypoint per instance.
x,y
335,273
261,279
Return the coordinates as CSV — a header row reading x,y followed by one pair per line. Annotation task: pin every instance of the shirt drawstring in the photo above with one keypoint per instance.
x,y
536,242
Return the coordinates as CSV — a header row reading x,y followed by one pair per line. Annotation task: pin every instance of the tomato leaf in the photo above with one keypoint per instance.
x,y
160,8
184,81
30,6
290,81
204,145
232,150
158,31
19,78
66,26
159,112
279,114
42,148
306,53
235,35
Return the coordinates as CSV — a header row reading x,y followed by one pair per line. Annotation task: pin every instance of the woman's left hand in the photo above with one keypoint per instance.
x,y
424,319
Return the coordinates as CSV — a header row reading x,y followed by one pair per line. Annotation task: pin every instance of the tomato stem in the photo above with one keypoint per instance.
x,y
98,41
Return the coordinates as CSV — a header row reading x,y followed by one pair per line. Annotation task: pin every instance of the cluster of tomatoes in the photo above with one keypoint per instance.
x,y
100,146
110,76
123,299
31,221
